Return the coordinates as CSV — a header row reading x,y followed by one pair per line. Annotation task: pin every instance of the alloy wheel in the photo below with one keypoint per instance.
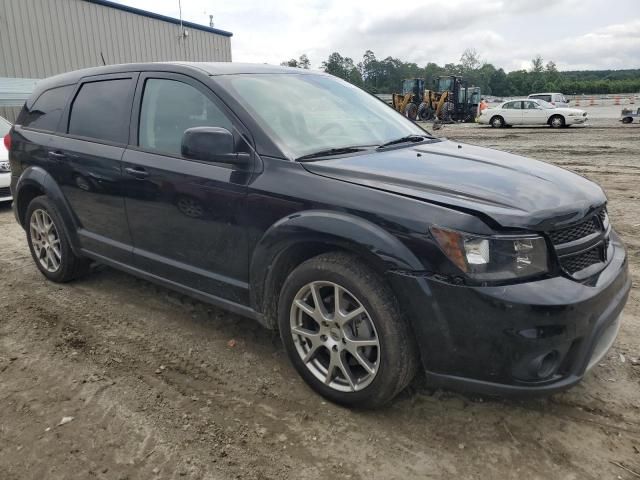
x,y
335,336
45,240
556,122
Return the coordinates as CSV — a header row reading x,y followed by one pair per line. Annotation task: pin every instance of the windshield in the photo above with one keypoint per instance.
x,y
5,126
305,114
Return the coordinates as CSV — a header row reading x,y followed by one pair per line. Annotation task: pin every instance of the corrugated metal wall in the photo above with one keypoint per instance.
x,y
40,38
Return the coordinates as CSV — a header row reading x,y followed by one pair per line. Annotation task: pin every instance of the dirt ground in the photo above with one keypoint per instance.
x,y
160,386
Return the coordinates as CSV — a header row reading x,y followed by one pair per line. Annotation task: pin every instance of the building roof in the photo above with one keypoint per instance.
x,y
145,13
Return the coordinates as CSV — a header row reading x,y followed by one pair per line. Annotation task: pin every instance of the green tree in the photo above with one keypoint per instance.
x,y
301,62
304,62
342,67
537,64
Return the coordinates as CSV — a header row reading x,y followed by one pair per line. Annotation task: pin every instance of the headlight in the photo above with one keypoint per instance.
x,y
494,258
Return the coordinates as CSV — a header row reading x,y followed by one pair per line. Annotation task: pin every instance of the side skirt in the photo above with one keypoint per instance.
x,y
202,296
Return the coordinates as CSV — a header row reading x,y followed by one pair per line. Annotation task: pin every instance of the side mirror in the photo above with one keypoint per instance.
x,y
212,144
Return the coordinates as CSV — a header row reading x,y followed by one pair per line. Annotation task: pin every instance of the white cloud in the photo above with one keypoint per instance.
x,y
576,34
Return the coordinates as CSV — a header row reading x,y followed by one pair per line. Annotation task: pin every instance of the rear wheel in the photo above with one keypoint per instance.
x,y
627,120
343,331
557,121
49,243
497,122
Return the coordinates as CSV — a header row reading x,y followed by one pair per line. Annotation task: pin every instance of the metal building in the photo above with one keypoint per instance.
x,y
40,38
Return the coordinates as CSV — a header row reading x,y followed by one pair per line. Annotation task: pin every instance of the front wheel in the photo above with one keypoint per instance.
x,y
343,331
627,120
49,244
557,121
411,111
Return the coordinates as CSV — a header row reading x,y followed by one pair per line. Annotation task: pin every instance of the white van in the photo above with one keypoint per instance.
x,y
557,99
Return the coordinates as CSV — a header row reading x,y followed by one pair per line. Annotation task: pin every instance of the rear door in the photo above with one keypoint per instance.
x,y
88,154
185,214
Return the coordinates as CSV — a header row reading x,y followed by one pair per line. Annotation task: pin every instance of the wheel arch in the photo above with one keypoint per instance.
x,y
36,181
304,235
559,115
497,115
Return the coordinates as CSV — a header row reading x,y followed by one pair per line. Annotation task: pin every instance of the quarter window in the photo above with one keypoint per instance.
x,y
169,107
46,111
101,110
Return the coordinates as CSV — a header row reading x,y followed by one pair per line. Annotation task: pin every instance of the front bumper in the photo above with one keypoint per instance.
x,y
576,120
492,340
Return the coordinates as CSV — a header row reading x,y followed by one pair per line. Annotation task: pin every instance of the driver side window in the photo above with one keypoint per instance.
x,y
169,107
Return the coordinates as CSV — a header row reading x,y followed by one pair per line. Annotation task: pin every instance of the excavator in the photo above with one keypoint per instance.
x,y
450,101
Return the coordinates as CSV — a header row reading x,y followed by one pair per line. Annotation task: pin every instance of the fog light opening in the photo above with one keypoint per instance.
x,y
547,364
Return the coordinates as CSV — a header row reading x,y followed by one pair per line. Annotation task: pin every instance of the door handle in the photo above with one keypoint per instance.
x,y
57,156
137,172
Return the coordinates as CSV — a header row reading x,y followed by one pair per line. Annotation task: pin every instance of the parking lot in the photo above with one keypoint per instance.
x,y
161,386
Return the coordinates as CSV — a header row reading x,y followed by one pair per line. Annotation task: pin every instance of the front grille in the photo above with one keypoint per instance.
x,y
5,192
575,232
575,262
582,260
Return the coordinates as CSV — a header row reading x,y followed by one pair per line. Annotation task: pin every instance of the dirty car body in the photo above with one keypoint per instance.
x,y
506,270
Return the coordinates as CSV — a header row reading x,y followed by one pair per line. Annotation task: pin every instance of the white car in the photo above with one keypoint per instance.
x,y
531,112
557,99
5,170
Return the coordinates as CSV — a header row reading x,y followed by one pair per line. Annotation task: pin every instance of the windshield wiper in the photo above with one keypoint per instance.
x,y
409,138
329,152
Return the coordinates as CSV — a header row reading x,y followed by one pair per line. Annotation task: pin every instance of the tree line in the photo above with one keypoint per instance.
x,y
385,75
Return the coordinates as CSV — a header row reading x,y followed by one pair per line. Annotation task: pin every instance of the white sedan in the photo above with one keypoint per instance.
x,y
5,171
531,112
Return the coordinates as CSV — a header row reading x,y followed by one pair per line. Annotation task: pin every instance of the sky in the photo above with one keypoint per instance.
x,y
575,34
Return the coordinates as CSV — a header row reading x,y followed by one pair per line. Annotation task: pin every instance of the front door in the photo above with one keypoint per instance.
x,y
512,112
184,215
533,114
88,154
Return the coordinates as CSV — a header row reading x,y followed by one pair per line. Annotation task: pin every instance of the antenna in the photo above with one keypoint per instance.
x,y
182,35
102,56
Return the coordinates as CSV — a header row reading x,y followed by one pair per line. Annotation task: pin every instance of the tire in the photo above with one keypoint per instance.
x,y
497,122
557,121
627,120
390,364
425,113
411,111
51,252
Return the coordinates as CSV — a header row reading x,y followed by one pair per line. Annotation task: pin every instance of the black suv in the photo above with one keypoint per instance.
x,y
305,203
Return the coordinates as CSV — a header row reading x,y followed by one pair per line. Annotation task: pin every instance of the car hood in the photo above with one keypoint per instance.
x,y
514,191
566,110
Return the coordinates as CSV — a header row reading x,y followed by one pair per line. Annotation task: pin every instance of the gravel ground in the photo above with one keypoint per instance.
x,y
160,386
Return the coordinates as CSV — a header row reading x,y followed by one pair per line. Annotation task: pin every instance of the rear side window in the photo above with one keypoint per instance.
x,y
46,111
546,98
101,111
513,105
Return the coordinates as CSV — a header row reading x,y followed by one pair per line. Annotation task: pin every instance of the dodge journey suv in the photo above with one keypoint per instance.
x,y
301,201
